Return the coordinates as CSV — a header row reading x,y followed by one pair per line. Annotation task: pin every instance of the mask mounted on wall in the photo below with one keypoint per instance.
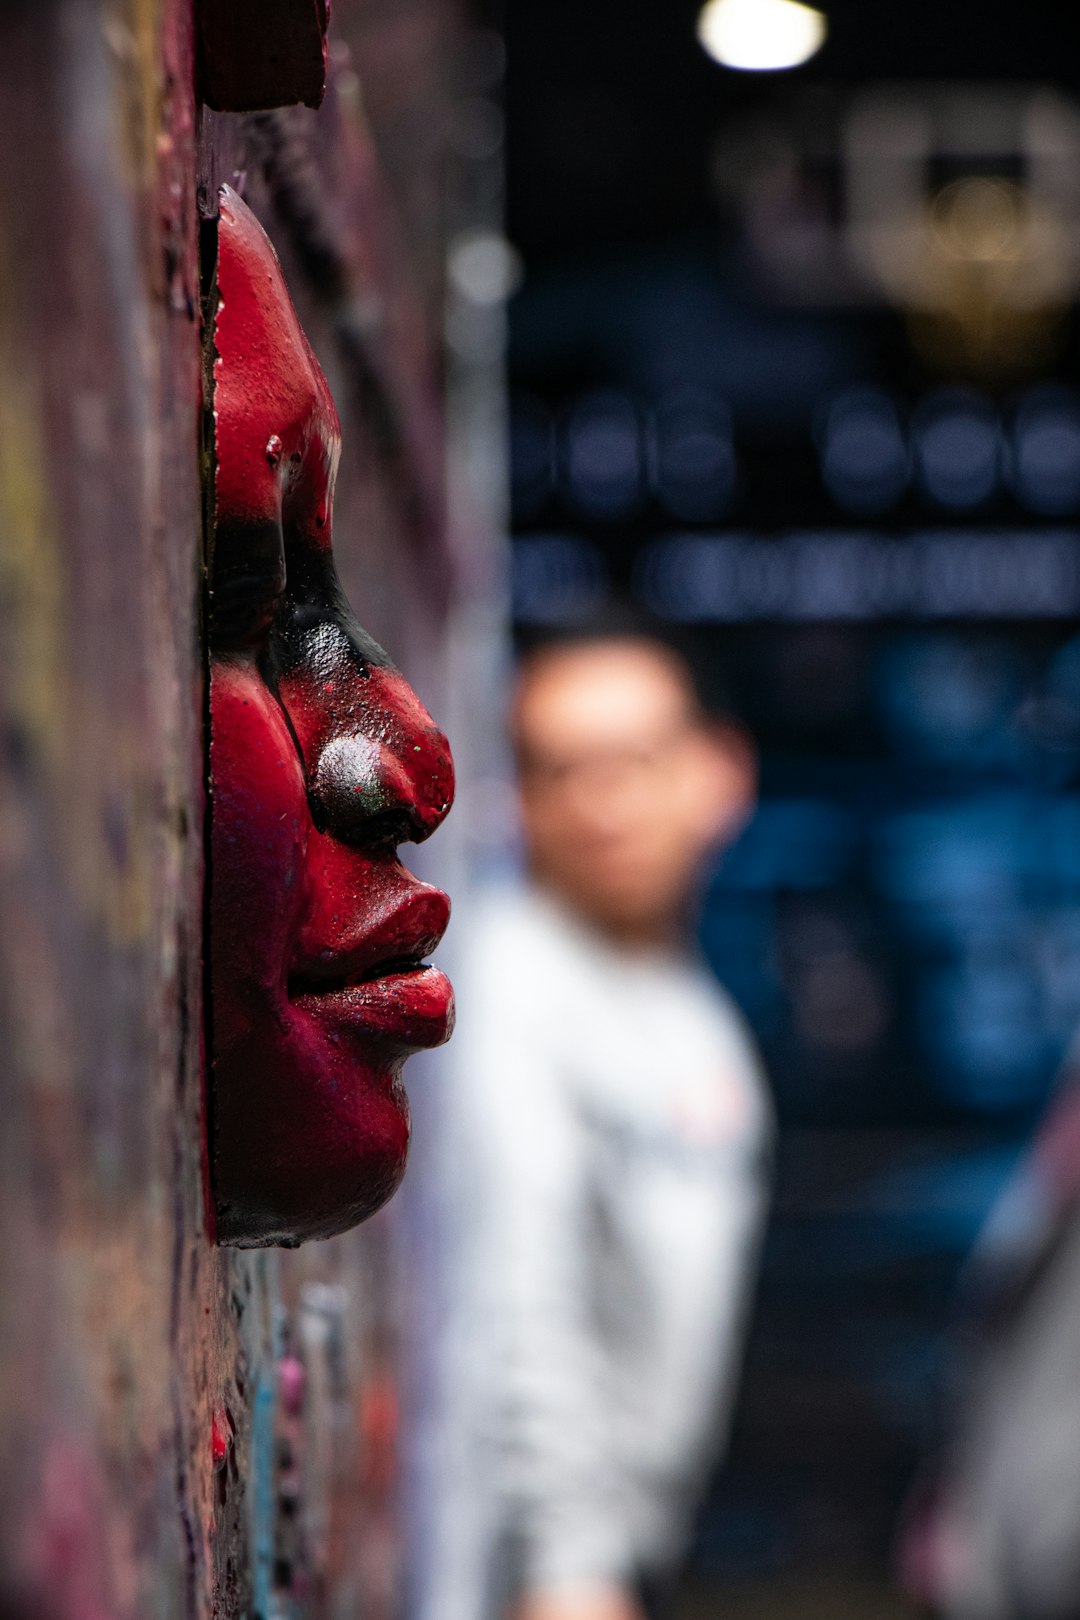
x,y
322,762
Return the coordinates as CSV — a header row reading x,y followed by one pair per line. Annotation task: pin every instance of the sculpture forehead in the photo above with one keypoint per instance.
x,y
268,386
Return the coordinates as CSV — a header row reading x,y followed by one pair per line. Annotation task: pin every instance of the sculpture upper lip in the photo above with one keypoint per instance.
x,y
398,942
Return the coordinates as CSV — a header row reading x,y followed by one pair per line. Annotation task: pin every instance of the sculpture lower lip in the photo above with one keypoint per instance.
x,y
410,1008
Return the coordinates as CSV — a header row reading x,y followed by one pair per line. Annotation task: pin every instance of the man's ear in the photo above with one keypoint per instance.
x,y
732,770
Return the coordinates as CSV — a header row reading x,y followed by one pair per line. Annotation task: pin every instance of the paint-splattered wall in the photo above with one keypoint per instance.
x,y
184,1431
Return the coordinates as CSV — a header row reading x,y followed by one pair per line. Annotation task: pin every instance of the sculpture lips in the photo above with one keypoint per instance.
x,y
380,986
408,1009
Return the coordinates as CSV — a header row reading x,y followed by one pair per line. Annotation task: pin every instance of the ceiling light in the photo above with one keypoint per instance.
x,y
761,36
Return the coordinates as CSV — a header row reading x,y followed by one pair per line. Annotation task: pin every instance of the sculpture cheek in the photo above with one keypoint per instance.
x,y
258,848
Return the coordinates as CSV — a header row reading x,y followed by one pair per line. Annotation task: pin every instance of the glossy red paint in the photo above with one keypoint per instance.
x,y
323,761
262,53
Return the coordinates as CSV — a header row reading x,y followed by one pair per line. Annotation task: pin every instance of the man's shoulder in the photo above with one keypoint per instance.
x,y
511,916
518,995
726,1017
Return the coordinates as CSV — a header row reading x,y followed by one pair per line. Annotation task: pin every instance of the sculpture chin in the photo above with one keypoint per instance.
x,y
322,1186
324,1104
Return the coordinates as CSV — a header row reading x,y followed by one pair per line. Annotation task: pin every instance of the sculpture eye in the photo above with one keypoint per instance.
x,y
246,585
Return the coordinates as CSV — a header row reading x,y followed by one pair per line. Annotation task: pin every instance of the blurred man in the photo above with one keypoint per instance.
x,y
607,1136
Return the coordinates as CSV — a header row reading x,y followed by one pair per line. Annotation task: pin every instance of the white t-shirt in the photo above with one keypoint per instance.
x,y
606,1133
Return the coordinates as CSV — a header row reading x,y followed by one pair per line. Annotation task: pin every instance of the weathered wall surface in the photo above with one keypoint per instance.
x,y
120,1327
184,1431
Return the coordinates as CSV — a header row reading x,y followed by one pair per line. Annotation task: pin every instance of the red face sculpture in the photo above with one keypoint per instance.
x,y
323,761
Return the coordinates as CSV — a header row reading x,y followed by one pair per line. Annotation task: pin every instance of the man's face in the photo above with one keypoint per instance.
x,y
323,761
623,788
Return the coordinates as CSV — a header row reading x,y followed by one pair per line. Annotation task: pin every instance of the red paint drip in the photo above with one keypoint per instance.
x,y
221,1438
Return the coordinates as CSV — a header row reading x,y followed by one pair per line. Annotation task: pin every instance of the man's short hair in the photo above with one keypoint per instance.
x,y
620,622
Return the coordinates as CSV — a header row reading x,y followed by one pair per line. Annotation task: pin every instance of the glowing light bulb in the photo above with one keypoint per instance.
x,y
761,36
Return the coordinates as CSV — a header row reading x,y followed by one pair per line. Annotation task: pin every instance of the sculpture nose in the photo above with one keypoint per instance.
x,y
383,777
365,792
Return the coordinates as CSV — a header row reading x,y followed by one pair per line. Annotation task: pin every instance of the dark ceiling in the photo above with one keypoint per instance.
x,y
613,107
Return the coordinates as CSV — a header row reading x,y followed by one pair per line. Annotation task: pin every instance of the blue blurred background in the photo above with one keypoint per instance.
x,y
793,365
